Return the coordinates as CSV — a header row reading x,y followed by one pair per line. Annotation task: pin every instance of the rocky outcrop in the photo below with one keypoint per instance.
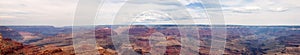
x,y
103,51
54,51
104,33
10,47
141,31
292,50
1,37
291,40
291,43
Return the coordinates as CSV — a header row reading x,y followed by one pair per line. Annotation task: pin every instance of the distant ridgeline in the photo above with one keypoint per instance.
x,y
44,30
29,33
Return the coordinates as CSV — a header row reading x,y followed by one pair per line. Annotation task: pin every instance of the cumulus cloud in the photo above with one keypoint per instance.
x,y
152,15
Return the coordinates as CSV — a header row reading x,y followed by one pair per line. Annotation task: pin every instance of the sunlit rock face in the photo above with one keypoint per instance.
x,y
292,50
0,36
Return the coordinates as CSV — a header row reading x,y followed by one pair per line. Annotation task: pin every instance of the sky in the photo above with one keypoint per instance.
x,y
237,12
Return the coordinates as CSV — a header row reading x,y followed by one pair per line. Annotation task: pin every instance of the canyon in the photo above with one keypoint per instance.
x,y
153,40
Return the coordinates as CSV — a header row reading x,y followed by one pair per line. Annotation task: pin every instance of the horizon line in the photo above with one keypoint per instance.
x,y
159,24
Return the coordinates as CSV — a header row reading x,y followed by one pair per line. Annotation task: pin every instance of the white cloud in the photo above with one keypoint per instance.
x,y
278,9
128,11
270,12
37,12
251,6
249,9
60,12
152,15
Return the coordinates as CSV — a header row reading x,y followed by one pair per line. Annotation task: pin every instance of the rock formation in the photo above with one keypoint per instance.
x,y
1,37
10,33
